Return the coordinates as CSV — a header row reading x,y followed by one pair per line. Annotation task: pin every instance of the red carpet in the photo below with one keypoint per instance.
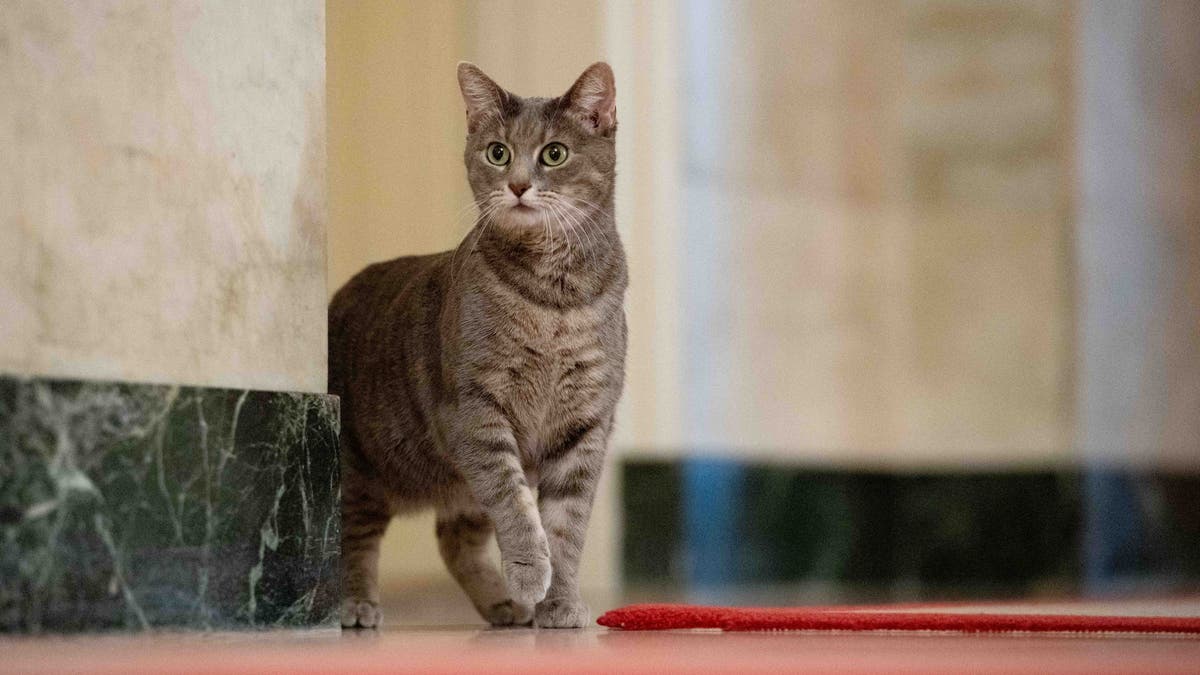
x,y
899,617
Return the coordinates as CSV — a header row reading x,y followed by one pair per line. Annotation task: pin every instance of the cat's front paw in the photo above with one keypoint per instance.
x,y
361,614
509,613
562,613
527,581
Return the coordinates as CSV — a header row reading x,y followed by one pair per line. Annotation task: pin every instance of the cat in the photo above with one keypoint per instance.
x,y
473,377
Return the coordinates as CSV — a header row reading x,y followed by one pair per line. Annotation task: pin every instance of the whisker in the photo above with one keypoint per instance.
x,y
581,200
595,207
487,210
593,219
547,236
573,224
585,222
589,225
596,210
488,199
559,217
466,211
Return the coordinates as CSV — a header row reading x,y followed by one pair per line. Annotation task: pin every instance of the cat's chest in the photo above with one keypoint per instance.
x,y
551,368
544,352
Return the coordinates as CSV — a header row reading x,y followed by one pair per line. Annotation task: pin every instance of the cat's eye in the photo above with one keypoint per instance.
x,y
497,154
554,154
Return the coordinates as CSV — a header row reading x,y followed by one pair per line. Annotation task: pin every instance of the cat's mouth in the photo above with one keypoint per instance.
x,y
524,213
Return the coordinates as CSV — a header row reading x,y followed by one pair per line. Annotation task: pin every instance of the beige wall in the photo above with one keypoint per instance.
x,y
395,166
162,191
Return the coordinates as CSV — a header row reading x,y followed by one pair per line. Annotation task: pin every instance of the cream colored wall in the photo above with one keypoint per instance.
x,y
395,156
162,191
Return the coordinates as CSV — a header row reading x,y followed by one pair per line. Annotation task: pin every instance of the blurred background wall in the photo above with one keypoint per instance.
x,y
162,192
882,191
864,236
1138,234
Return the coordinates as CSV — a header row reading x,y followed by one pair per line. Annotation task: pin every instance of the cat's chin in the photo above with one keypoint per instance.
x,y
523,217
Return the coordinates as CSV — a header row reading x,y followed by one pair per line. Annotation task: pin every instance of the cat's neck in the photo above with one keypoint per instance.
x,y
563,263
556,244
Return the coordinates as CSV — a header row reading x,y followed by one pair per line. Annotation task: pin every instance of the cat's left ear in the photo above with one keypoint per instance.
x,y
593,99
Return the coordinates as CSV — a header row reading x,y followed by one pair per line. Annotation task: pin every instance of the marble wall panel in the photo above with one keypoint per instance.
x,y
162,191
144,506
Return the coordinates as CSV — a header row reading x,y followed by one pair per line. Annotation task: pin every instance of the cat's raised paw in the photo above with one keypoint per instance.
x,y
562,613
361,614
528,581
509,613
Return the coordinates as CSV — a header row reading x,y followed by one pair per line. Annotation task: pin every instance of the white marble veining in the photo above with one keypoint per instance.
x,y
162,191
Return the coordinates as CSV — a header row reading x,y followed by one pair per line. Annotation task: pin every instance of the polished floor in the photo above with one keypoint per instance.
x,y
407,646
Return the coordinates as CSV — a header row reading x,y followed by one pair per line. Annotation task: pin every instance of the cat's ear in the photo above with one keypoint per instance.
x,y
593,99
483,97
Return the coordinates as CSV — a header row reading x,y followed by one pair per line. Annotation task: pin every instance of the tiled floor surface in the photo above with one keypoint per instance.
x,y
405,646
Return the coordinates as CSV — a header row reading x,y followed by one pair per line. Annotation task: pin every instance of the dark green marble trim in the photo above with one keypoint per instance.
x,y
876,535
133,506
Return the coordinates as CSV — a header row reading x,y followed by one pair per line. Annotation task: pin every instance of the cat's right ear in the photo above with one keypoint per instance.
x,y
482,97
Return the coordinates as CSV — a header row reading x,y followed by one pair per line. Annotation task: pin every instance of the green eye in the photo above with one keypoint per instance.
x,y
497,154
554,154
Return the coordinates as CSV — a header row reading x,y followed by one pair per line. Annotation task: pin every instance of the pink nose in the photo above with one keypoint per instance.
x,y
518,189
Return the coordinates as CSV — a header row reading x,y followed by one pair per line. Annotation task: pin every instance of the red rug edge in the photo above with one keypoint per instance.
x,y
736,619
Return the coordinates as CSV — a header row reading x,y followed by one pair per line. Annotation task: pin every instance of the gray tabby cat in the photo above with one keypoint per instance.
x,y
473,377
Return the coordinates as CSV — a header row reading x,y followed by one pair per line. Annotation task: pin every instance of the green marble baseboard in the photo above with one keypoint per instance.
x,y
875,536
135,506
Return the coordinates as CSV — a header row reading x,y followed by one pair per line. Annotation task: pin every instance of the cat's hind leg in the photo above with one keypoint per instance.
x,y
365,517
463,534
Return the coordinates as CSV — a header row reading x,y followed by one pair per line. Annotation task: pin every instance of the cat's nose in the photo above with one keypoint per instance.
x,y
518,189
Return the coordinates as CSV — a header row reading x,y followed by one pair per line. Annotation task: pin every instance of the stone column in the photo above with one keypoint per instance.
x,y
162,220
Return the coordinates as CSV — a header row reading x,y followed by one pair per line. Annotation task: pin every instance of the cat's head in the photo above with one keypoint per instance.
x,y
532,161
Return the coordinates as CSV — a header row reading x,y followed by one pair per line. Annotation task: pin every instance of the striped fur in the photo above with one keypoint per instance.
x,y
482,381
